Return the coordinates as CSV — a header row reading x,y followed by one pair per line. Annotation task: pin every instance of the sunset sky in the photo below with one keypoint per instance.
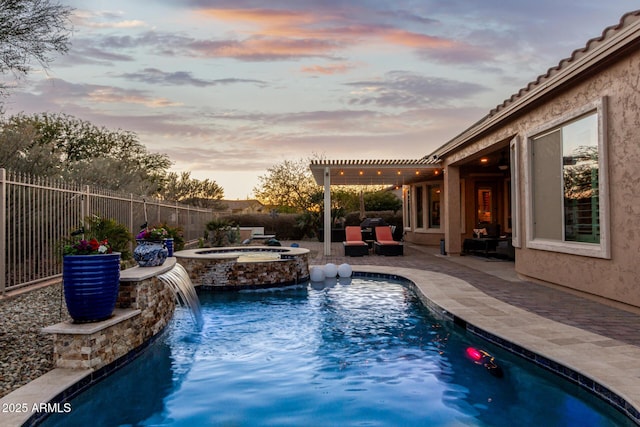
x,y
229,88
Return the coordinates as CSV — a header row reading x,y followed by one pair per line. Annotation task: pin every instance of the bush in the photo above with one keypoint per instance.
x,y
222,232
176,234
282,225
390,217
117,234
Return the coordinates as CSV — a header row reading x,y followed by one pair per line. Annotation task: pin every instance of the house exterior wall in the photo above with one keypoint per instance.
x,y
616,278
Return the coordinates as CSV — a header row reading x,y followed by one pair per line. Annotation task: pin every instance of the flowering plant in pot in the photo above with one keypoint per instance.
x,y
154,234
91,275
88,247
151,250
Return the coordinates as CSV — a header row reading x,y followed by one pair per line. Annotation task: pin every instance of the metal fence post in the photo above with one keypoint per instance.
x,y
86,204
3,230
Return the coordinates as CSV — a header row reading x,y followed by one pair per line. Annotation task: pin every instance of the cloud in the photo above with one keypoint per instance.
x,y
326,32
181,78
104,20
264,49
112,95
402,89
90,55
328,69
63,92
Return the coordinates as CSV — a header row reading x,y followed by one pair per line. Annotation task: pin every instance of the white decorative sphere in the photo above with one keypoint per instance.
x,y
344,270
331,270
317,274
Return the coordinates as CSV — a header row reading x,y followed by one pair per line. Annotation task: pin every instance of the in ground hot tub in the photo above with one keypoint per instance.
x,y
244,267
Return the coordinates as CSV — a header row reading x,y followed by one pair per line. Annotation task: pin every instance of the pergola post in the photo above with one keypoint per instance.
x,y
327,211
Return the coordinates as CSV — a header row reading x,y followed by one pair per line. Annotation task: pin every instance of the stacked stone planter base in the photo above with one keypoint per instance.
x,y
145,306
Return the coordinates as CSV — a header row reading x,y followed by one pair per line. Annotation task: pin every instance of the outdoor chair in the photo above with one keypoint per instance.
x,y
353,244
385,245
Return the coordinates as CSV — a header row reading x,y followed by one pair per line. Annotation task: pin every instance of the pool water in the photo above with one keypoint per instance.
x,y
366,353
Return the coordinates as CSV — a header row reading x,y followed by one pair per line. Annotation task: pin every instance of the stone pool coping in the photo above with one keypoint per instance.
x,y
231,252
614,370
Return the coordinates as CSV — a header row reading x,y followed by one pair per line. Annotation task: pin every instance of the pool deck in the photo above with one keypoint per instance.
x,y
600,341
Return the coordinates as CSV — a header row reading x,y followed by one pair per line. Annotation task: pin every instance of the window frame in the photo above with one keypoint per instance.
x,y
595,250
425,188
514,156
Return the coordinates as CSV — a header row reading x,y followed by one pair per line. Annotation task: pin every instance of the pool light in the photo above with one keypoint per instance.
x,y
483,358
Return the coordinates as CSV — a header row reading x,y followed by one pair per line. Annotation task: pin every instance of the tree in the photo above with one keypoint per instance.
x,y
183,188
63,146
288,184
31,30
382,201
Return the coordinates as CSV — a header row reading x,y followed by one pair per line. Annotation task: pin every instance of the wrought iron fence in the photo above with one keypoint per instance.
x,y
36,214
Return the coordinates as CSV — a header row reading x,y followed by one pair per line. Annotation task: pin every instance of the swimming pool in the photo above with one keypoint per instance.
x,y
363,353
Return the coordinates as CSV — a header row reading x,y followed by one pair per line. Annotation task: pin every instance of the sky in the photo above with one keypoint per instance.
x,y
228,89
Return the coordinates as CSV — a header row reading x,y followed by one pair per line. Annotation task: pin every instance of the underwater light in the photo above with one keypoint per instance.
x,y
481,357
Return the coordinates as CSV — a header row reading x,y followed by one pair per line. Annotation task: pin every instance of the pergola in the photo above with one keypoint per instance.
x,y
366,172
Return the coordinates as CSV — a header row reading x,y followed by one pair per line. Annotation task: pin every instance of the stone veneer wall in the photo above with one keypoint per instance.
x,y
153,298
145,306
229,273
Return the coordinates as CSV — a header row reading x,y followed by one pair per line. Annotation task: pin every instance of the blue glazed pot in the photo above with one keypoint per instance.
x,y
91,284
150,253
169,244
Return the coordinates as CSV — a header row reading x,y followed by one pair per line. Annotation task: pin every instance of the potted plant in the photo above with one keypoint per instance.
x,y
175,239
151,250
91,279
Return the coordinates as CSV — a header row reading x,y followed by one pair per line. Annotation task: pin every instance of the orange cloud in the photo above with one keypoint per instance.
x,y
263,17
264,48
328,69
288,33
112,95
415,40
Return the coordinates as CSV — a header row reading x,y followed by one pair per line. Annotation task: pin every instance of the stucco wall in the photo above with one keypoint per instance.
x,y
617,278
423,238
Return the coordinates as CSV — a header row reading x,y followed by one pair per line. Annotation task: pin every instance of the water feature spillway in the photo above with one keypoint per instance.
x,y
178,280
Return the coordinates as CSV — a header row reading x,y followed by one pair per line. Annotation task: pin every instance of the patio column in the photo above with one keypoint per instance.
x,y
452,208
327,211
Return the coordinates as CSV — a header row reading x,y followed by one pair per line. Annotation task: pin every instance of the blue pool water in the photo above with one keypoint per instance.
x,y
361,354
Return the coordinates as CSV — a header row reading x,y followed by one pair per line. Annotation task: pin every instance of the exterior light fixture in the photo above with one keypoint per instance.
x,y
484,160
502,164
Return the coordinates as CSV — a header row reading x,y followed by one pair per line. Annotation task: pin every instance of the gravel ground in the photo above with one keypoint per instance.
x,y
25,352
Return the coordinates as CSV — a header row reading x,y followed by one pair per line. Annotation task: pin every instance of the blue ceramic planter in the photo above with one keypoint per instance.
x,y
149,253
169,244
91,284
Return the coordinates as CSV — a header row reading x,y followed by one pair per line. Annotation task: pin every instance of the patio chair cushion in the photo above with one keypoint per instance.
x,y
354,245
385,245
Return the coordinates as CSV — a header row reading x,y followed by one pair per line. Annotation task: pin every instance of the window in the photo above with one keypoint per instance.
x,y
426,203
567,166
419,207
434,206
407,206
